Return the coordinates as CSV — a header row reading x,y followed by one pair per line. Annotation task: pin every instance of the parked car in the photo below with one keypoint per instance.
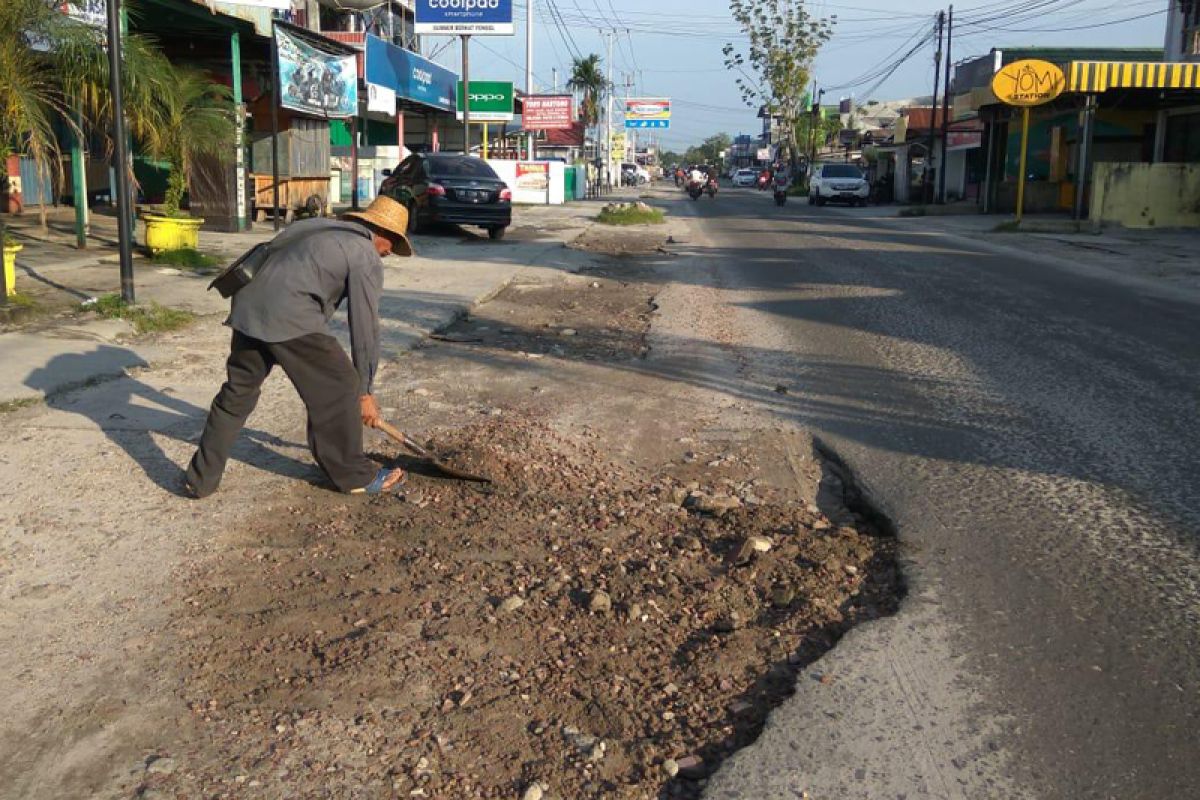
x,y
745,177
840,183
459,189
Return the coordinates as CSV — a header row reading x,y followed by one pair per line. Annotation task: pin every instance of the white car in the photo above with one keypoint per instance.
x,y
745,177
838,183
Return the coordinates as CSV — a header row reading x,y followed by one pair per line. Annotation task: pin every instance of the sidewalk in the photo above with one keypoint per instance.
x,y
454,269
1168,256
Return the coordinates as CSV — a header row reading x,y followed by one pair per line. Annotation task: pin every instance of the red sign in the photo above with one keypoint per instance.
x,y
548,112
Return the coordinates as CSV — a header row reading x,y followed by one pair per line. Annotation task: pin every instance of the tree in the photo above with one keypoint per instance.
x,y
587,79
196,120
709,151
54,68
783,41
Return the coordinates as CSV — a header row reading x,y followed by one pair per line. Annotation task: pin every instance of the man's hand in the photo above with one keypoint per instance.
x,y
370,410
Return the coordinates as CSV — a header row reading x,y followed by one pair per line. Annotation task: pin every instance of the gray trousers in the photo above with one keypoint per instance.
x,y
328,384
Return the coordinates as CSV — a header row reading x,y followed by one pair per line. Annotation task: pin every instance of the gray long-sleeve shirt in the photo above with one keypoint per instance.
x,y
303,283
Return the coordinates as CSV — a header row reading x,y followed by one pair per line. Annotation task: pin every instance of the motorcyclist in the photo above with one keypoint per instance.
x,y
696,176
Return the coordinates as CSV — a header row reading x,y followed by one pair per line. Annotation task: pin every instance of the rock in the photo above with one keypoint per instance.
x,y
510,604
761,544
679,495
633,613
728,623
782,595
595,284
691,767
781,389
600,602
739,707
670,688
671,767
161,766
718,504
850,569
568,332
533,792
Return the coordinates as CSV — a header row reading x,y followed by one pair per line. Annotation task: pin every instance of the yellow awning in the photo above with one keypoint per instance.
x,y
1093,77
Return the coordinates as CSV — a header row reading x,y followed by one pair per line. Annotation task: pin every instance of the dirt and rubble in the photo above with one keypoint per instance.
x,y
598,623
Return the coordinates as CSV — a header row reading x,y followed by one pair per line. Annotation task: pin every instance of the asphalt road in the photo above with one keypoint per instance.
x,y
1031,428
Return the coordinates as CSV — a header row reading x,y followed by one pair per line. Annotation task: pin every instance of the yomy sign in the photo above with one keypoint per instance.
x,y
1029,82
491,101
648,112
464,17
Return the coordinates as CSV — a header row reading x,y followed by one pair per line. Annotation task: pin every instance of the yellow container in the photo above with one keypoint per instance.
x,y
10,266
172,233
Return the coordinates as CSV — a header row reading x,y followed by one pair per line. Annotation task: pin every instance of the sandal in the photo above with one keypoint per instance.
x,y
376,486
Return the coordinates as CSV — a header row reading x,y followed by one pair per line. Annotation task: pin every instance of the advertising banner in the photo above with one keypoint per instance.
x,y
548,112
648,112
381,99
464,17
1030,82
314,81
409,75
89,12
618,147
491,101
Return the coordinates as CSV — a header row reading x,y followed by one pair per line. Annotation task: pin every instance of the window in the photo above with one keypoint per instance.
x,y
840,171
460,167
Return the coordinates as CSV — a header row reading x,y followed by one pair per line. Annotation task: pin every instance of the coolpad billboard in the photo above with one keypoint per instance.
x,y
464,17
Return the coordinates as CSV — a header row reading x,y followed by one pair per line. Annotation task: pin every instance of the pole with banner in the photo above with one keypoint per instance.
x,y
466,61
1025,84
529,69
275,101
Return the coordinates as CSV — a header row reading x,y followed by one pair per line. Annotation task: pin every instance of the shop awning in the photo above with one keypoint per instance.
x,y
1093,77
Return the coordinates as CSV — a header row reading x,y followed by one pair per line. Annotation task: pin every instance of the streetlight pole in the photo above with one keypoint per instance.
x,y
466,82
120,152
608,134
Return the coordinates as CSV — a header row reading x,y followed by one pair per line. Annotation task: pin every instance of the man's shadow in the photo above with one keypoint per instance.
x,y
129,412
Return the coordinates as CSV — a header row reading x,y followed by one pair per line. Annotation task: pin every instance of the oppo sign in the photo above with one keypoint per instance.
x,y
465,17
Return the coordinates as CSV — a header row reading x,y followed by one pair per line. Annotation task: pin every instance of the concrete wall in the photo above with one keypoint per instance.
x,y
1139,195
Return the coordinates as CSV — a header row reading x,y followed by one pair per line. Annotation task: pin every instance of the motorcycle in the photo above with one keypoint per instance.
x,y
711,187
780,192
761,183
695,189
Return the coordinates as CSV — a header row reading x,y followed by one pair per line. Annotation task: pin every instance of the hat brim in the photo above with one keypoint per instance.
x,y
401,246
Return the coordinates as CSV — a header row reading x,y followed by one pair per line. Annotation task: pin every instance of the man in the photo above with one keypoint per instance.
x,y
281,317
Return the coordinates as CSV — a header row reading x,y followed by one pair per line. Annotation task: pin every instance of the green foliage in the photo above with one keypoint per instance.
x,y
151,318
196,120
669,157
774,69
55,68
186,258
587,79
631,215
708,151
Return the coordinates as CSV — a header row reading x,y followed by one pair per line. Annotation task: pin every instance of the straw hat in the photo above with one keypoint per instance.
x,y
391,218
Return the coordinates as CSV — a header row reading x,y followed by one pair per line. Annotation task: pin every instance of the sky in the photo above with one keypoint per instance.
x,y
672,48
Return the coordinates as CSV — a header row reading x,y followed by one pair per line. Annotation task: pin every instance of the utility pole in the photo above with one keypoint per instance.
x,y
937,74
554,72
120,153
529,65
945,111
608,132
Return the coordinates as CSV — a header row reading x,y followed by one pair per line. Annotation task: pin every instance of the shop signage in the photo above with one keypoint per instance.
x,y
314,81
547,112
464,17
89,12
409,75
1029,82
381,99
648,112
491,101
618,147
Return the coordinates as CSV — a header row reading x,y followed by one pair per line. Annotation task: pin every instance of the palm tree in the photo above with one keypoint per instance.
x,y
587,78
197,119
54,68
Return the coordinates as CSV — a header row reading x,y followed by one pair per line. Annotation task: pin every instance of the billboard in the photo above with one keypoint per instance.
x,y
464,17
313,81
547,112
409,75
491,101
648,112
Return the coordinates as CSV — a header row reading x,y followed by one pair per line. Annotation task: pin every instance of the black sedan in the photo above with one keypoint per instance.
x,y
458,189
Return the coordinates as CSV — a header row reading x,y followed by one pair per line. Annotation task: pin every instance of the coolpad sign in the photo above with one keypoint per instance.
x,y
464,17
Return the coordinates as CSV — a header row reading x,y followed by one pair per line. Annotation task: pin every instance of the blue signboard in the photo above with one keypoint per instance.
x,y
464,17
409,75
645,123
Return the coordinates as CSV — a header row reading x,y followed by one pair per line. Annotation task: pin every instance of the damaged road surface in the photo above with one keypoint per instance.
x,y
653,567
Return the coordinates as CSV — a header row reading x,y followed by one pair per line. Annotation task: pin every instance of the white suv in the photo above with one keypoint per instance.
x,y
843,183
